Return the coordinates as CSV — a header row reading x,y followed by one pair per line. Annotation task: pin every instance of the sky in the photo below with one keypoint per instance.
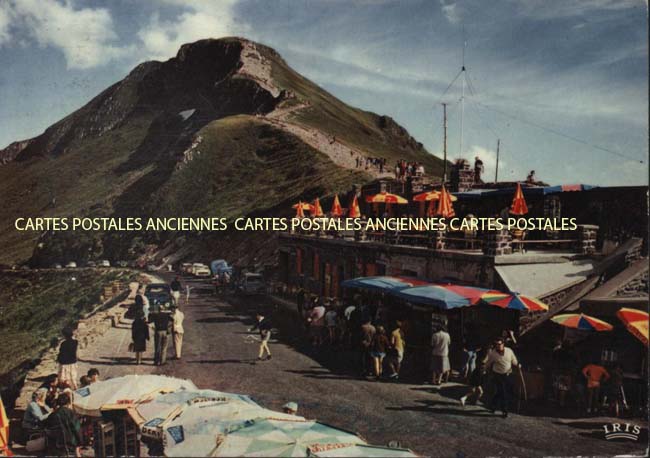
x,y
563,84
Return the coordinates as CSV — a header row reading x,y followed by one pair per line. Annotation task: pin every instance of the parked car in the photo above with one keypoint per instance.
x,y
252,283
202,271
160,297
104,263
71,265
123,263
91,264
186,268
57,266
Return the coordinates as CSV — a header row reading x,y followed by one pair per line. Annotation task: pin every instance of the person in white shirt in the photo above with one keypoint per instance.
x,y
331,318
500,360
440,342
177,330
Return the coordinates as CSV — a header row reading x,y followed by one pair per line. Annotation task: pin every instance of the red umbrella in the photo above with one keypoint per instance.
x,y
519,206
336,207
317,210
445,208
354,211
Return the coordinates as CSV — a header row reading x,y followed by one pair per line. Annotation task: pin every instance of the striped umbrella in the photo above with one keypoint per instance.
x,y
514,301
386,198
317,210
336,207
445,208
354,211
636,321
519,206
581,321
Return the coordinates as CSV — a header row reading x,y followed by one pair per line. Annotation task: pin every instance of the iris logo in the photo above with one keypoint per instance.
x,y
622,431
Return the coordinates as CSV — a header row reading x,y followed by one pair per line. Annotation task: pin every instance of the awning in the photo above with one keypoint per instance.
x,y
538,280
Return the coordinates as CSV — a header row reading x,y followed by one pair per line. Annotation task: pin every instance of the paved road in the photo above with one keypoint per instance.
x,y
219,353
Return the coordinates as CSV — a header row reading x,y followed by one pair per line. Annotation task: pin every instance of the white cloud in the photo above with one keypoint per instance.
x,y
199,19
85,36
451,11
544,9
5,20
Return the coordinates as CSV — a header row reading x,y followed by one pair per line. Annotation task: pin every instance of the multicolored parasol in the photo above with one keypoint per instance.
x,y
636,321
581,321
514,301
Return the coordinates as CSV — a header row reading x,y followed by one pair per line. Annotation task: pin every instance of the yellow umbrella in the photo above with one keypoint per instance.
x,y
386,198
4,432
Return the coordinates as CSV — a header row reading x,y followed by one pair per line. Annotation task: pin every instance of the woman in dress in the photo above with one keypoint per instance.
x,y
139,335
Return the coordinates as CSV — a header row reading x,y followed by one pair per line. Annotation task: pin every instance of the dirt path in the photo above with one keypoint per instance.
x,y
340,153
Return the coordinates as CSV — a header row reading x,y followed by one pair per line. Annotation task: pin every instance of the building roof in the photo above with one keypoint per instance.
x,y
541,279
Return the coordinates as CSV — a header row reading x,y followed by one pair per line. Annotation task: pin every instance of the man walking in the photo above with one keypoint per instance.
x,y
500,360
176,289
177,330
264,326
368,332
162,323
440,341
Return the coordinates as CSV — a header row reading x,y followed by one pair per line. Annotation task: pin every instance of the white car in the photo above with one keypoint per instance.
x,y
202,271
71,265
104,263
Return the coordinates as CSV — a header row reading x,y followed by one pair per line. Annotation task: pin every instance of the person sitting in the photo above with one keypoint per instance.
x,y
290,408
93,374
36,413
64,427
51,385
84,381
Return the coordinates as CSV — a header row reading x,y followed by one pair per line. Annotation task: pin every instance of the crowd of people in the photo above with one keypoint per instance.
x,y
378,341
367,162
163,324
50,417
404,170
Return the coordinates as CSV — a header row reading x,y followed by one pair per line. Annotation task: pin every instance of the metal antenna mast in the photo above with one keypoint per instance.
x,y
444,144
462,96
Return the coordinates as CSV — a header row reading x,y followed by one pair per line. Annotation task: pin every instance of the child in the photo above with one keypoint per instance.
x,y
475,382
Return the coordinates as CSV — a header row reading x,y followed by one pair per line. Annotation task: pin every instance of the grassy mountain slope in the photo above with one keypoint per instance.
x,y
131,152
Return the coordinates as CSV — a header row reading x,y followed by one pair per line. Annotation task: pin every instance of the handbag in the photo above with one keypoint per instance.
x,y
131,348
35,445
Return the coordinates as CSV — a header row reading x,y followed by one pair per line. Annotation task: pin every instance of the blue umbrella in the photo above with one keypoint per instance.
x,y
434,295
383,283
